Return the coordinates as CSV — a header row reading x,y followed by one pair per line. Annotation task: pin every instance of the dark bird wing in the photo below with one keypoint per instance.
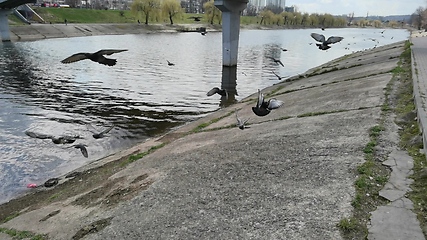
x,y
318,37
83,149
334,39
260,111
280,62
51,182
37,135
106,61
75,57
213,91
109,51
107,130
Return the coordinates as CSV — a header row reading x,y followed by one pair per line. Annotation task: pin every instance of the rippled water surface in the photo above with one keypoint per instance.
x,y
141,95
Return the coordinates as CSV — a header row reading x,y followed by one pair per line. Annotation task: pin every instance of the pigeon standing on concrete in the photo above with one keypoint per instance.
x,y
324,45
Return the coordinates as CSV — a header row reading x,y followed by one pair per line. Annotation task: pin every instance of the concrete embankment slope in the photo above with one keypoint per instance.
x,y
289,176
45,31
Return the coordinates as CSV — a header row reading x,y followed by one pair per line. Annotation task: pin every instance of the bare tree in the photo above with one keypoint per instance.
x,y
171,8
212,11
146,7
417,17
350,18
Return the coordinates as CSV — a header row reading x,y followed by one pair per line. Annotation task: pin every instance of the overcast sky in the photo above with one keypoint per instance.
x,y
359,7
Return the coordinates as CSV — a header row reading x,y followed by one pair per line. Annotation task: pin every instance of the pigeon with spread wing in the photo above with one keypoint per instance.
x,y
324,44
96,57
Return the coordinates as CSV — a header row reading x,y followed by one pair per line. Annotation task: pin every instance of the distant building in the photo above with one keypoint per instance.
x,y
193,6
290,9
97,4
277,3
260,4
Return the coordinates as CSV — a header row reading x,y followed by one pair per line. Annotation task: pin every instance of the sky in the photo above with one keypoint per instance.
x,y
359,7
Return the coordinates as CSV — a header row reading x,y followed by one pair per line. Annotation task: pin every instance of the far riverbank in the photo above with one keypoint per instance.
x,y
45,31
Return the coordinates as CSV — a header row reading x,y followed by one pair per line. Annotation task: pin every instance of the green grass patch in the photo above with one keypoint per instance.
x,y
15,234
397,70
372,175
77,15
202,126
54,196
138,156
14,215
409,129
348,224
311,114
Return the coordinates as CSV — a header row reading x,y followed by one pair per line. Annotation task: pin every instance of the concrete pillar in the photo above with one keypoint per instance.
x,y
228,82
4,25
231,10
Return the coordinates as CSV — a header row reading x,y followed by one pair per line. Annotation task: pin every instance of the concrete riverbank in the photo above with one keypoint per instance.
x,y
290,175
45,31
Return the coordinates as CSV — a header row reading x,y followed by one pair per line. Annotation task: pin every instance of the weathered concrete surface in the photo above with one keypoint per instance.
x,y
396,220
289,176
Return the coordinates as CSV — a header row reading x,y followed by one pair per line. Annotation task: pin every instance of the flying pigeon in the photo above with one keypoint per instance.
x,y
279,77
240,122
170,64
263,107
96,133
222,92
324,43
82,148
277,61
196,19
64,139
96,57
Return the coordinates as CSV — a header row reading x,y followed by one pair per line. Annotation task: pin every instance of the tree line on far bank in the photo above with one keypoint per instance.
x,y
159,10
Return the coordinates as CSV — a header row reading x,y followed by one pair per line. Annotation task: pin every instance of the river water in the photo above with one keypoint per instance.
x,y
141,95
